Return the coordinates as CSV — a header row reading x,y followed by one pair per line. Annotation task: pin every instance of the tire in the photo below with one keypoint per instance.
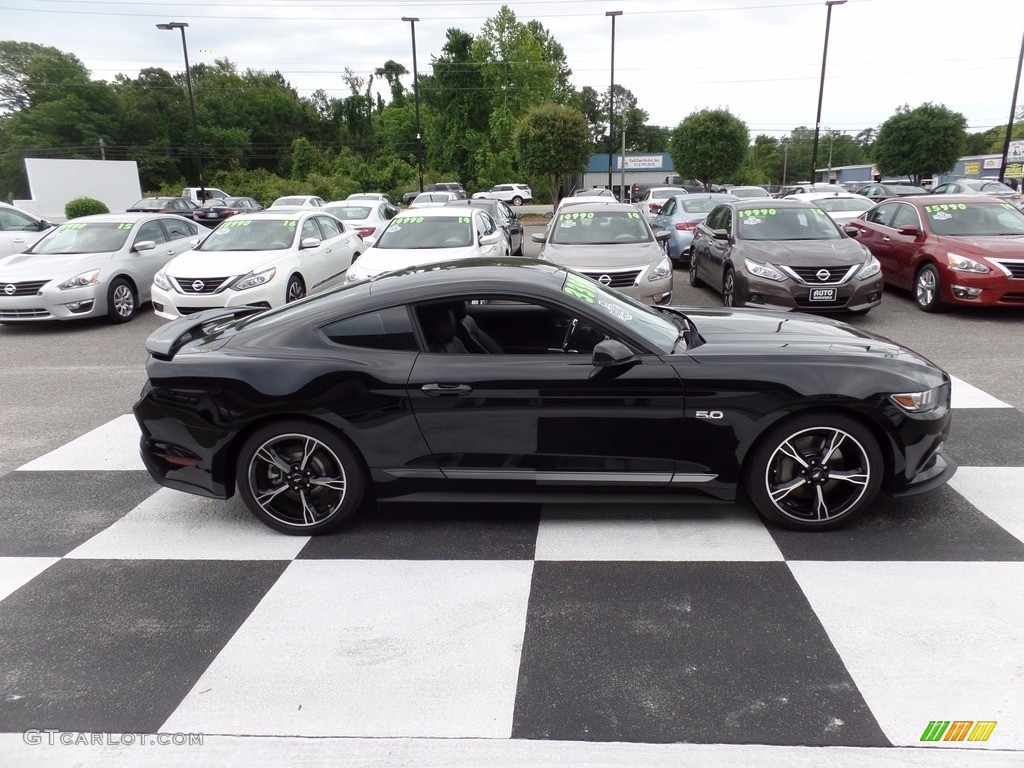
x,y
296,289
517,201
299,478
519,251
122,301
691,273
729,289
832,462
928,289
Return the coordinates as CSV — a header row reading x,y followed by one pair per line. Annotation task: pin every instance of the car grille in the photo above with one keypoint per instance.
x,y
30,288
1013,298
1015,268
201,285
17,314
810,275
615,279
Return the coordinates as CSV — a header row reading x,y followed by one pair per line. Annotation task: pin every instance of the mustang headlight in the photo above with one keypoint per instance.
x,y
663,270
919,402
963,264
767,271
870,269
254,279
160,281
92,277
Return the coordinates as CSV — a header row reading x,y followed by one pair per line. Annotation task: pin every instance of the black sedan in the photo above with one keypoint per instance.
x,y
783,254
215,210
179,206
514,379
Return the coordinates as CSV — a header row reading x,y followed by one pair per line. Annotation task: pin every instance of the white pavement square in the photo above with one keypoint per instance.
x,y
371,648
968,396
666,534
927,641
15,572
171,525
996,491
113,446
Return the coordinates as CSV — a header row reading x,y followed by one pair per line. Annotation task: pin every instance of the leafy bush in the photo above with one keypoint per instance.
x,y
84,206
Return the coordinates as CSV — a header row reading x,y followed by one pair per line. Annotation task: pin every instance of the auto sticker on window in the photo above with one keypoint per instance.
x,y
579,289
616,310
567,224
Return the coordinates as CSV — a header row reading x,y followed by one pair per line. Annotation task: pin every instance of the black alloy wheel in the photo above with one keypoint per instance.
x,y
814,472
122,301
300,478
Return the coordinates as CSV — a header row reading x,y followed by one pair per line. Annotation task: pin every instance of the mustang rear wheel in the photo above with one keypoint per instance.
x,y
814,472
300,478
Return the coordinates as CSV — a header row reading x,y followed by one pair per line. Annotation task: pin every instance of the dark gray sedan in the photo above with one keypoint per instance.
x,y
783,254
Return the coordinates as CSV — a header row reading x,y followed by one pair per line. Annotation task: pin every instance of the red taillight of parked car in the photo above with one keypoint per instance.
x,y
654,207
687,226
365,231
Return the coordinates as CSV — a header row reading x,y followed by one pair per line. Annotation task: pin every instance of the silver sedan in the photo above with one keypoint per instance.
x,y
93,266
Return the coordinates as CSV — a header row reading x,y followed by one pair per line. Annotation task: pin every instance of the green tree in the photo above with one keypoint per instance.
x,y
709,145
920,142
552,140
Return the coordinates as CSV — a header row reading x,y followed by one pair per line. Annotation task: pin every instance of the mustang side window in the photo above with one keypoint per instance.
x,y
388,329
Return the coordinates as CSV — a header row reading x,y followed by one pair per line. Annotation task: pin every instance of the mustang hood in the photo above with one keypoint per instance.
x,y
809,253
39,266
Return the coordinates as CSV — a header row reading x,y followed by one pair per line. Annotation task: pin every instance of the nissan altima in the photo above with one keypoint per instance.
x,y
92,266
516,379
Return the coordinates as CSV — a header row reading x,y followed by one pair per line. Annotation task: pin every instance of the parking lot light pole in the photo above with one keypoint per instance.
x,y
416,96
821,88
611,101
1013,110
172,25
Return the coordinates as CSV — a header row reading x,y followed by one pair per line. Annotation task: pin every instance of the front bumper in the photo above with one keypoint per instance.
x,y
51,303
171,304
853,296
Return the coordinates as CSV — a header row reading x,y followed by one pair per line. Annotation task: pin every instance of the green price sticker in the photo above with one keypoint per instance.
x,y
945,207
575,215
66,227
463,219
289,223
124,226
759,212
408,220
579,289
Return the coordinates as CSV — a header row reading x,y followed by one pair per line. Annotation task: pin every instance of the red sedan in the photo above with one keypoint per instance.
x,y
948,249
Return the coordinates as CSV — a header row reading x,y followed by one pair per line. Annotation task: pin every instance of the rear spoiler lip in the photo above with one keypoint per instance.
x,y
165,341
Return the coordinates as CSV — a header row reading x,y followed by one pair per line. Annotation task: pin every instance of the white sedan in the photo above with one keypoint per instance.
x,y
298,201
429,235
259,259
19,229
367,217
842,207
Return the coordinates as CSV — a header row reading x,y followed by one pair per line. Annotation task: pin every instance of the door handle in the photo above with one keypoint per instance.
x,y
446,390
886,238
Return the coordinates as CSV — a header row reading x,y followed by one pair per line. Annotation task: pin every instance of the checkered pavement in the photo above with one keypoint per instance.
x,y
465,635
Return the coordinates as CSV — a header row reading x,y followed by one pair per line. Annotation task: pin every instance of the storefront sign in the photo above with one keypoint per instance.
x,y
992,164
642,162
972,169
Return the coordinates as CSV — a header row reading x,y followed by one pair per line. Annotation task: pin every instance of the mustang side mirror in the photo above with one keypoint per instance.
x,y
610,353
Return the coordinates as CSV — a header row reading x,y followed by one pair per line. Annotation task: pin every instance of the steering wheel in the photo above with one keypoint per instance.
x,y
569,334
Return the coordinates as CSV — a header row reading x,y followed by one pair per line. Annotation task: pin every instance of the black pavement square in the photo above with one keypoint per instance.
x,y
48,514
933,526
114,645
682,652
987,437
433,531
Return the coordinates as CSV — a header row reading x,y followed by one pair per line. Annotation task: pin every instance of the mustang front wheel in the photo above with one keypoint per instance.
x,y
299,478
814,472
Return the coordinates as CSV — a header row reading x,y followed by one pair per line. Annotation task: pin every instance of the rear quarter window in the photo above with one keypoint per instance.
x,y
387,329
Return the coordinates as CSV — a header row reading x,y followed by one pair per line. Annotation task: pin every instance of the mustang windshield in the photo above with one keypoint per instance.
x,y
251,235
660,332
80,237
973,219
786,224
412,231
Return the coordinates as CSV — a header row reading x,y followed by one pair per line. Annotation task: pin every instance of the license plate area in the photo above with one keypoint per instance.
x,y
822,294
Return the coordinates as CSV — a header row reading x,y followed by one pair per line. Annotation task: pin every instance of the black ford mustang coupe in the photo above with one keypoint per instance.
x,y
516,380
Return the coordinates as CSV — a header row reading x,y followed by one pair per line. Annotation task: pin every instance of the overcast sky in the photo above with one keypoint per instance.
x,y
761,59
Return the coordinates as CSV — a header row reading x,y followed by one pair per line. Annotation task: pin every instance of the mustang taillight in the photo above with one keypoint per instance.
x,y
686,226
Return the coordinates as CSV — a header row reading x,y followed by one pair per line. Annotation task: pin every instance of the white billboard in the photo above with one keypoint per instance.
x,y
53,183
1015,153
